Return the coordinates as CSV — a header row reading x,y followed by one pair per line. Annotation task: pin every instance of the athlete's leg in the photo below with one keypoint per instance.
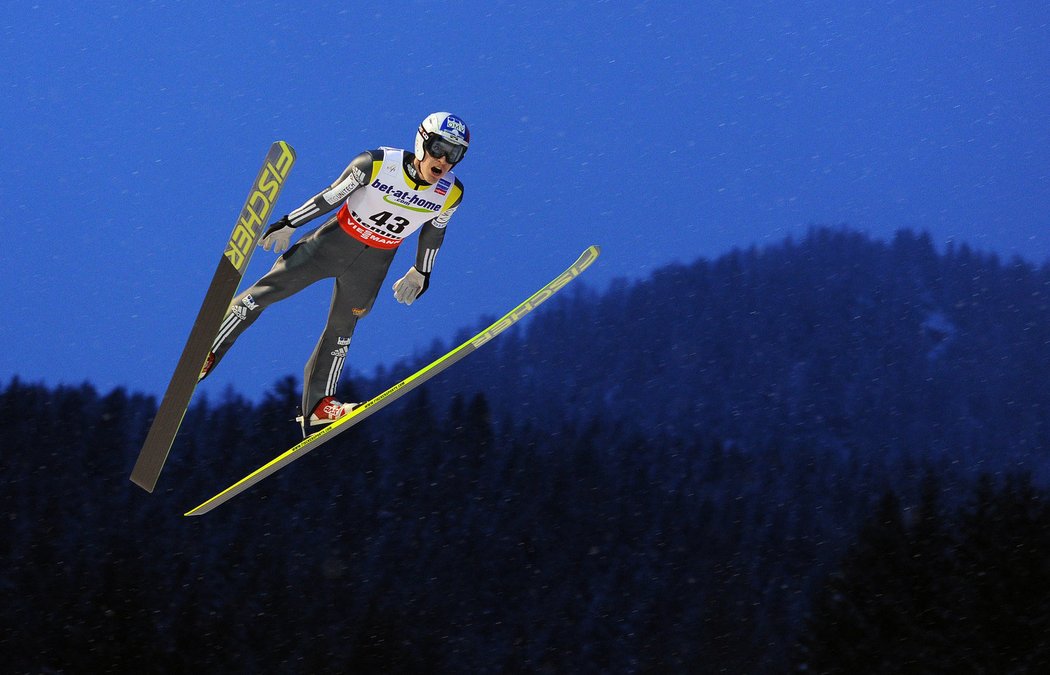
x,y
293,271
355,293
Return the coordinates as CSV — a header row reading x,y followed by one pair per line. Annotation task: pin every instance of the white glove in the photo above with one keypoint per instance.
x,y
278,236
409,287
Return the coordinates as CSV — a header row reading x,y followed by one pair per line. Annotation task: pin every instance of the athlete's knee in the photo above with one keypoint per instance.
x,y
344,323
341,329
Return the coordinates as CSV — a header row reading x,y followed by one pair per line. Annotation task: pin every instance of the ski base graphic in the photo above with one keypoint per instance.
x,y
246,235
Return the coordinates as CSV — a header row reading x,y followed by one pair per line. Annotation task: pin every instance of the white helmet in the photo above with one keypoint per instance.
x,y
442,134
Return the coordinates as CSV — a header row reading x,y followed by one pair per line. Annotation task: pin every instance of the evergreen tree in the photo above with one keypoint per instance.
x,y
967,592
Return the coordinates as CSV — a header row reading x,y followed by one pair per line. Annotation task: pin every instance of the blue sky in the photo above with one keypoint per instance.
x,y
661,131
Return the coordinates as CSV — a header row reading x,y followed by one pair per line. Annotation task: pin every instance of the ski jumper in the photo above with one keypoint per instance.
x,y
380,202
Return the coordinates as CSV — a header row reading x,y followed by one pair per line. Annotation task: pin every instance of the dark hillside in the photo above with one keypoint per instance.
x,y
837,341
787,456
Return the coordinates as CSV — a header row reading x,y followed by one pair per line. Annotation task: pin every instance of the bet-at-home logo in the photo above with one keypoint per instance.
x,y
406,199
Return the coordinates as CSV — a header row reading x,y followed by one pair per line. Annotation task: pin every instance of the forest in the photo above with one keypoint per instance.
x,y
827,455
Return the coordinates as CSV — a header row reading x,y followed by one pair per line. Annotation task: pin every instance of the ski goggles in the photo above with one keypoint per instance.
x,y
437,147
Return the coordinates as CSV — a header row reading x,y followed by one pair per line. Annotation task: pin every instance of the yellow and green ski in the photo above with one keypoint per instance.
x,y
403,387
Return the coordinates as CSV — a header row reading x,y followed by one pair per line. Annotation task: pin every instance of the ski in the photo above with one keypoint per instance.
x,y
406,385
246,234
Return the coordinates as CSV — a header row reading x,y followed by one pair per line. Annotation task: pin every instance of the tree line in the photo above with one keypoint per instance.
x,y
826,455
452,541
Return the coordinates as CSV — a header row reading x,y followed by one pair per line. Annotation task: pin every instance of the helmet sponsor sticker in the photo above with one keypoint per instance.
x,y
455,126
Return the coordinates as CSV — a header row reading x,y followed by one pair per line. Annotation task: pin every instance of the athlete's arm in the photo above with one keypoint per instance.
x,y
356,174
432,234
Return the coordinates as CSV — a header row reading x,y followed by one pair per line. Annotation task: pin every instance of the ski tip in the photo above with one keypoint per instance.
x,y
202,509
589,255
145,484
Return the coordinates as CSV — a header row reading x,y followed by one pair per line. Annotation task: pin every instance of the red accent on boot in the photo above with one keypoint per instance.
x,y
209,363
329,410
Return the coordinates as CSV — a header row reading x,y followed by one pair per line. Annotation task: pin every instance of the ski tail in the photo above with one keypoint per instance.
x,y
406,385
246,235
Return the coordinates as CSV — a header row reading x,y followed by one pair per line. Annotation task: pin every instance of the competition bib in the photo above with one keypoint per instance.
x,y
384,212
